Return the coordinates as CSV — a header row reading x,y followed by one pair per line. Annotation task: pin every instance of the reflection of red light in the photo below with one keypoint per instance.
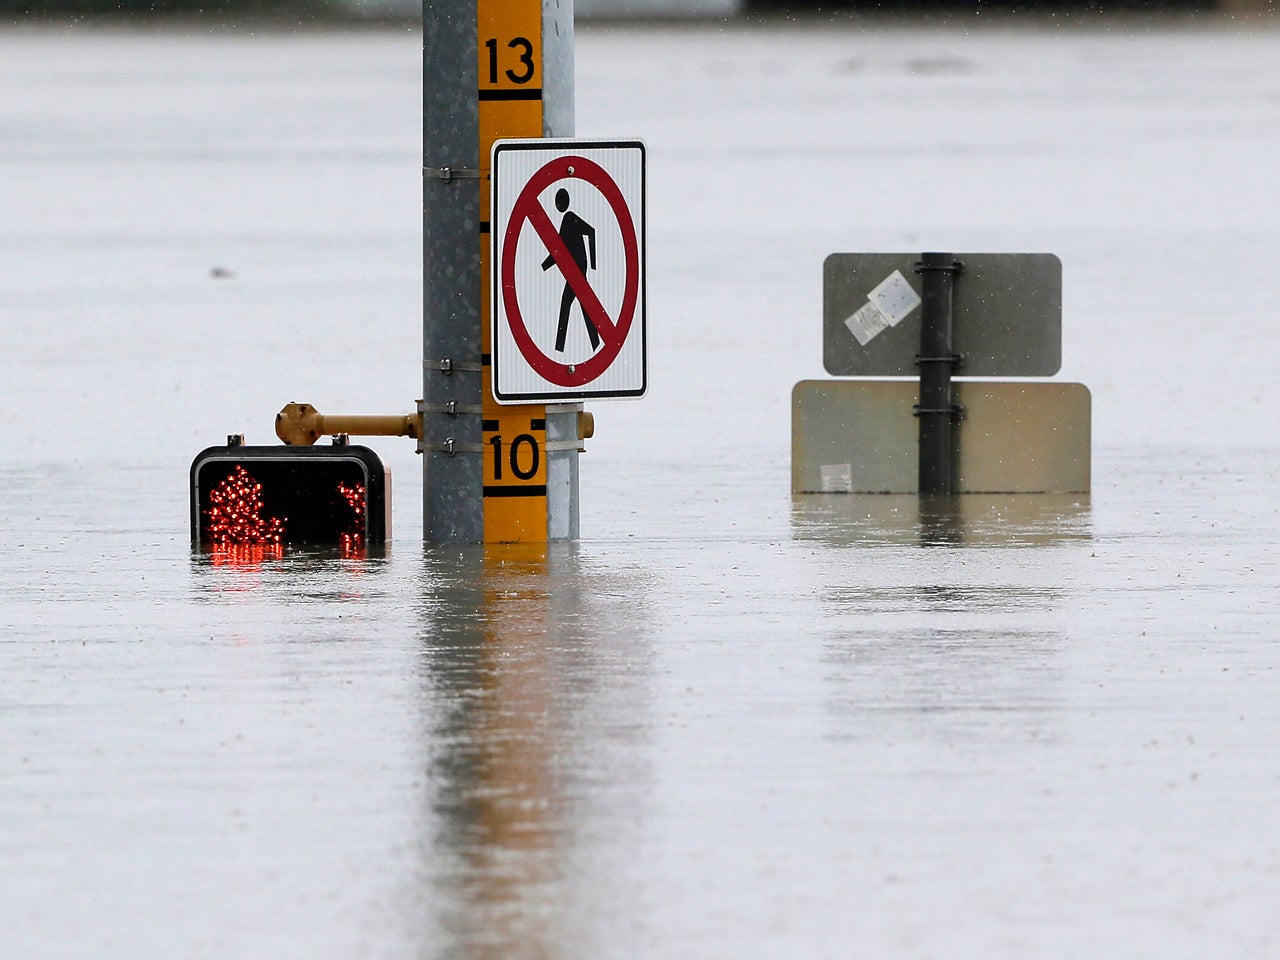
x,y
351,543
245,554
235,513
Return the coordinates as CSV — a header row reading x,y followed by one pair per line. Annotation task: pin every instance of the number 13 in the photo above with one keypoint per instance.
x,y
525,58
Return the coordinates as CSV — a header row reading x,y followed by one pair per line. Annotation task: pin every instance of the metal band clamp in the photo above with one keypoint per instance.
x,y
955,359
451,408
449,366
451,447
449,174
955,266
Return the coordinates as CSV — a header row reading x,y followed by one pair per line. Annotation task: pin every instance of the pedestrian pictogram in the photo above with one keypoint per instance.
x,y
568,262
579,239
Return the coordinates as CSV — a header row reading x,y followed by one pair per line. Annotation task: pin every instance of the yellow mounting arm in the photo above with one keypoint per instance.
x,y
301,424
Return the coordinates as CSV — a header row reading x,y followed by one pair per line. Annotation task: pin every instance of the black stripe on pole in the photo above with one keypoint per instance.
x,y
533,93
533,490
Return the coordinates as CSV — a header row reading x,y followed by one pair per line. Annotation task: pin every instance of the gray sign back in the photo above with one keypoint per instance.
x,y
1007,315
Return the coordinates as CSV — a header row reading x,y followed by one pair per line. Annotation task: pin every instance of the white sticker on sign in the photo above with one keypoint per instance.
x,y
867,322
837,477
895,297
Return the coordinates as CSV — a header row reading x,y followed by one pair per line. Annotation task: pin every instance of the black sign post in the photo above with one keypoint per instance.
x,y
936,360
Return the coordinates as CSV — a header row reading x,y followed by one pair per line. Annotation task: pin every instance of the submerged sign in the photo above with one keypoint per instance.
x,y
1007,311
568,262
858,436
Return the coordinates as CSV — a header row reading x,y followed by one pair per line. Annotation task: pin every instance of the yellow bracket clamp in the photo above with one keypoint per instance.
x,y
301,424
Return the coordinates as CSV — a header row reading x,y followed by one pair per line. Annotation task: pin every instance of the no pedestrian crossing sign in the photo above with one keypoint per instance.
x,y
568,303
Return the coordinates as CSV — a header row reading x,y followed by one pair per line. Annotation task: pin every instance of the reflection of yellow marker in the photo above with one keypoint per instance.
x,y
509,69
501,740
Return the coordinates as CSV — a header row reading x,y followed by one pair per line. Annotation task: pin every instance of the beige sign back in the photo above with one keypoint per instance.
x,y
859,436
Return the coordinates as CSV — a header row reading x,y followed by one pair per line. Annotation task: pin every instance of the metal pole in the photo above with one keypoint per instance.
x,y
936,409
527,87
451,450
558,121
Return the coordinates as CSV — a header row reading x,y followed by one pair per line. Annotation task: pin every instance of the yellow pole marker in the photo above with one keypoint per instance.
x,y
509,51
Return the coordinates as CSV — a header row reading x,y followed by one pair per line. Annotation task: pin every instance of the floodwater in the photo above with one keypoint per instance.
x,y
728,722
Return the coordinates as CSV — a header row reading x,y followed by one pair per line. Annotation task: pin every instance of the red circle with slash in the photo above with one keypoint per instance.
x,y
613,330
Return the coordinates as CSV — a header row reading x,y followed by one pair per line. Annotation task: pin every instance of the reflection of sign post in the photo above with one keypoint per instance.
x,y
568,262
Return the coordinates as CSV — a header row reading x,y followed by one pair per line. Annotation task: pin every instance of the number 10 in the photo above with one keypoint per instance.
x,y
513,455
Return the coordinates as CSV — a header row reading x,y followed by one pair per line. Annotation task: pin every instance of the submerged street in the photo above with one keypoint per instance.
x,y
728,722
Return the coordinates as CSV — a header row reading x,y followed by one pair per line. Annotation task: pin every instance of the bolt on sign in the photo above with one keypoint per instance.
x,y
568,269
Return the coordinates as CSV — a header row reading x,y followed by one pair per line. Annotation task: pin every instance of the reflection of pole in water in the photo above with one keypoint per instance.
x,y
940,520
1027,519
515,815
525,690
488,647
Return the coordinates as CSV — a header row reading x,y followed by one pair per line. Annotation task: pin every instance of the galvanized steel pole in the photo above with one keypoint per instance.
x,y
558,121
451,477
454,175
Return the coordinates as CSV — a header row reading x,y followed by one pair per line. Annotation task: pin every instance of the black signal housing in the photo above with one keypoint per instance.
x,y
289,495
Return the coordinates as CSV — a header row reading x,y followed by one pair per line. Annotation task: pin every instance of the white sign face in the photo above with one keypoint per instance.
x,y
567,229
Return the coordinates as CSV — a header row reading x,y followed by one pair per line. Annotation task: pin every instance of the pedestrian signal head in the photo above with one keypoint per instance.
x,y
272,497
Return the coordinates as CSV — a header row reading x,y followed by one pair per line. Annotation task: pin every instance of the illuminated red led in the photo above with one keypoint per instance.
x,y
351,543
235,513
